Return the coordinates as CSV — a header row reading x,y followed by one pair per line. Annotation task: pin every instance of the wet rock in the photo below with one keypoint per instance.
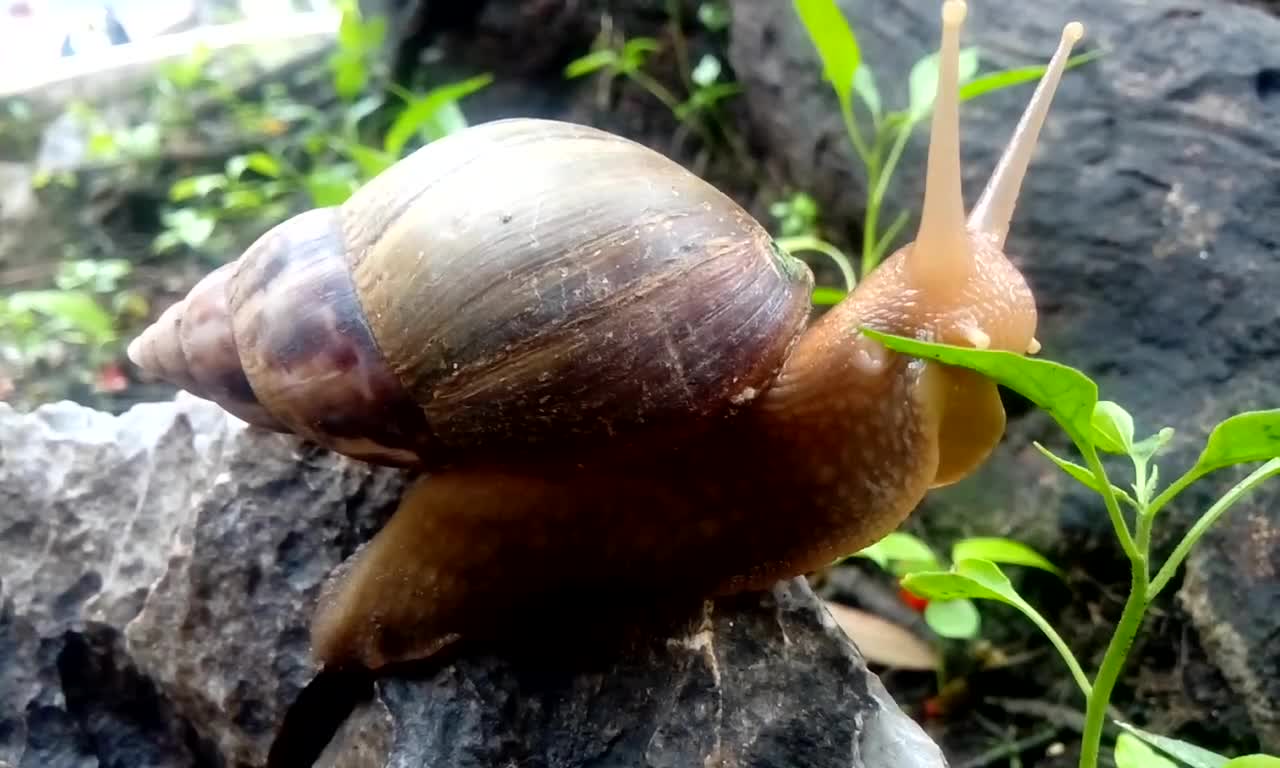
x,y
158,571
1144,230
760,680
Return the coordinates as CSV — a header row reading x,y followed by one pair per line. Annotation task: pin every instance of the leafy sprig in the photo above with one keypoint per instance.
x,y
1098,426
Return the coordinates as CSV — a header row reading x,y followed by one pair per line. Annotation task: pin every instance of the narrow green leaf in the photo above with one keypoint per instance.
x,y
1001,550
1112,428
422,110
1193,756
1064,392
1245,437
592,62
864,84
1083,475
1007,78
370,160
1146,449
826,296
1133,753
837,45
954,619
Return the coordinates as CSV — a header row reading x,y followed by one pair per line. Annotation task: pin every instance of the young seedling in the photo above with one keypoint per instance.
x,y
1095,427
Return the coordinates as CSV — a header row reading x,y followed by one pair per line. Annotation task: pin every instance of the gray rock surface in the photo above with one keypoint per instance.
x,y
1147,230
158,571
765,680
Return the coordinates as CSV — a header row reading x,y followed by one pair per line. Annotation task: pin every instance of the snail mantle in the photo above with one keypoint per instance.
x,y
159,569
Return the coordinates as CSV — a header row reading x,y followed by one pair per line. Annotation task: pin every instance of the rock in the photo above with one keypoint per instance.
x,y
1143,228
84,528
1232,591
158,571
760,680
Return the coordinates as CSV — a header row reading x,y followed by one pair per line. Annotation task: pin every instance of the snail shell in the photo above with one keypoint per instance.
x,y
523,282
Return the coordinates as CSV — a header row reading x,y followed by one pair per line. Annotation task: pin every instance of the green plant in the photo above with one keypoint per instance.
x,y
958,618
1099,427
879,151
306,156
33,323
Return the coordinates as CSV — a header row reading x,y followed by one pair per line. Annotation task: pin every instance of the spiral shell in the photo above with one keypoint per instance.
x,y
522,282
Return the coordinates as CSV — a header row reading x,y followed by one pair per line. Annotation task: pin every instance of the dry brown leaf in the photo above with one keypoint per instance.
x,y
883,642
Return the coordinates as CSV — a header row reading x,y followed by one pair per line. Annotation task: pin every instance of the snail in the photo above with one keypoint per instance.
x,y
603,375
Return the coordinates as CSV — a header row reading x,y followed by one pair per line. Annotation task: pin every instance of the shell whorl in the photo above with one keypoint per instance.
x,y
278,338
524,282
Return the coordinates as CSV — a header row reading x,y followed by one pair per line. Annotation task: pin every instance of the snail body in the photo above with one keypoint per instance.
x,y
604,370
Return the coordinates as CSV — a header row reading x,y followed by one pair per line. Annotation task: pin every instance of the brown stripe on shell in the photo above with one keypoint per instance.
x,y
210,350
306,347
557,280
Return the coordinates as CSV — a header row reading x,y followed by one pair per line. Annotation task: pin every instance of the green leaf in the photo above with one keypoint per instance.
x,y
826,296
1001,550
1193,756
75,311
1112,428
261,162
837,46
1083,475
974,579
370,160
196,186
192,227
1147,449
923,80
1245,437
585,65
864,84
1132,753
1254,761
1007,78
1063,392
903,548
423,110
954,619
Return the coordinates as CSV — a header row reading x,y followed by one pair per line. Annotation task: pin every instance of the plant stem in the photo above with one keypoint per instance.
x,y
1108,495
878,185
811,243
1060,645
1208,519
1100,700
1176,487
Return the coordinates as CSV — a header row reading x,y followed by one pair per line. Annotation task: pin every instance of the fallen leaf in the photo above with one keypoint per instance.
x,y
883,642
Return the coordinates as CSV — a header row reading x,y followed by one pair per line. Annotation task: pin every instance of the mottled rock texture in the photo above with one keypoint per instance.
x,y
158,571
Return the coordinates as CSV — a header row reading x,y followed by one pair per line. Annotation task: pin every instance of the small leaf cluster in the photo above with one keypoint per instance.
x,y
614,56
1097,427
955,618
306,157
